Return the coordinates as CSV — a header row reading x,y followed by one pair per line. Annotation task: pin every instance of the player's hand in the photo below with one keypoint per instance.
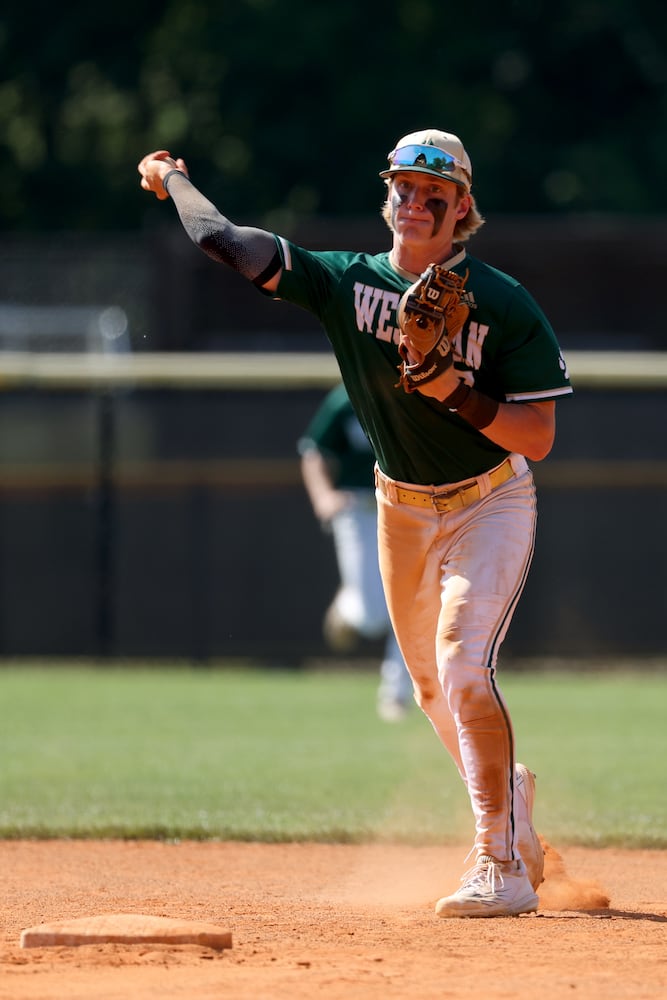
x,y
154,168
329,503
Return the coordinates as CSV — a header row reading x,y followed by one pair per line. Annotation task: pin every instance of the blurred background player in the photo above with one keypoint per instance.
x,y
337,467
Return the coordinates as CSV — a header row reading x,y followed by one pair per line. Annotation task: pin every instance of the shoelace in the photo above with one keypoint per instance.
x,y
483,875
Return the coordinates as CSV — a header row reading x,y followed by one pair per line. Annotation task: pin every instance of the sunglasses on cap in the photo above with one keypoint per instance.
x,y
425,156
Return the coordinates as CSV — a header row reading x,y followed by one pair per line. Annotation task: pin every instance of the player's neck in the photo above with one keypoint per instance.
x,y
414,261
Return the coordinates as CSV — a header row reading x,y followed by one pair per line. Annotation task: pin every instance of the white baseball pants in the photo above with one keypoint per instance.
x,y
452,581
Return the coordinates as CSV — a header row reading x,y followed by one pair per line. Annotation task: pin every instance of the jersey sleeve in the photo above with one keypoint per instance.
x,y
309,278
533,368
521,360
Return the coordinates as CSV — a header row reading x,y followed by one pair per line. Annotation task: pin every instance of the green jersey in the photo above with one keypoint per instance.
x,y
506,349
336,432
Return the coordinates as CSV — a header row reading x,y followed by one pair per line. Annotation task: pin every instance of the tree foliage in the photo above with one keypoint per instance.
x,y
284,108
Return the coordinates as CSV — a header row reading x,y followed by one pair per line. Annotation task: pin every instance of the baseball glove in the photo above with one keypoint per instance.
x,y
430,314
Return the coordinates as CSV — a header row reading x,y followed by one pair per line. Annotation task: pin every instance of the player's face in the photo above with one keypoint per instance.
x,y
424,208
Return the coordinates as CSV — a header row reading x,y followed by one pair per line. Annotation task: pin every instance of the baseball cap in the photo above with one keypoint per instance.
x,y
431,151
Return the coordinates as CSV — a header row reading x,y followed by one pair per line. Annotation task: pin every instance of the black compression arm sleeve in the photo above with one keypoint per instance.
x,y
252,252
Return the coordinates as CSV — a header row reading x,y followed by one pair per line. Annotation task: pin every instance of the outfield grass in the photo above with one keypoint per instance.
x,y
250,754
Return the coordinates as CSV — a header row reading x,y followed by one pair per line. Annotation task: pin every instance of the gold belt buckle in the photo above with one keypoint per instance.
x,y
443,503
455,499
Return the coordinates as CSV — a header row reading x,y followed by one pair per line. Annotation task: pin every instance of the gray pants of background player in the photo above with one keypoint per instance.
x,y
360,601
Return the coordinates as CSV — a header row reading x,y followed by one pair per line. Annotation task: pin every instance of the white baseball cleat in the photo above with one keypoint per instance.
x,y
528,842
491,889
339,634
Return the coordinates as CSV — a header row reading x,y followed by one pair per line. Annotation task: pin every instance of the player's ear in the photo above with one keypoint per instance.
x,y
463,206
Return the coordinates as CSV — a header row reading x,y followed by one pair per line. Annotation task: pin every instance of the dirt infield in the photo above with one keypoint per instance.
x,y
330,922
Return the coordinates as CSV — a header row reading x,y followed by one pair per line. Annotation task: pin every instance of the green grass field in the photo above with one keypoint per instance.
x,y
267,755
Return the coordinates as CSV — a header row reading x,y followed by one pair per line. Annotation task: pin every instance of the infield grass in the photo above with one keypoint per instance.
x,y
238,753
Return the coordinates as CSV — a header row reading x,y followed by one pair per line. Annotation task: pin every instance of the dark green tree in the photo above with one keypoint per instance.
x,y
283,108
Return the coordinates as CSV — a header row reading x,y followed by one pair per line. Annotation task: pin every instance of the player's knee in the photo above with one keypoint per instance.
x,y
428,694
469,693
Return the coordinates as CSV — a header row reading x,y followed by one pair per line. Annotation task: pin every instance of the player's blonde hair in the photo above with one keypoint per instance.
x,y
465,227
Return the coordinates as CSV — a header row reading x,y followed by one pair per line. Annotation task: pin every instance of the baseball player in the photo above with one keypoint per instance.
x,y
337,466
451,425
